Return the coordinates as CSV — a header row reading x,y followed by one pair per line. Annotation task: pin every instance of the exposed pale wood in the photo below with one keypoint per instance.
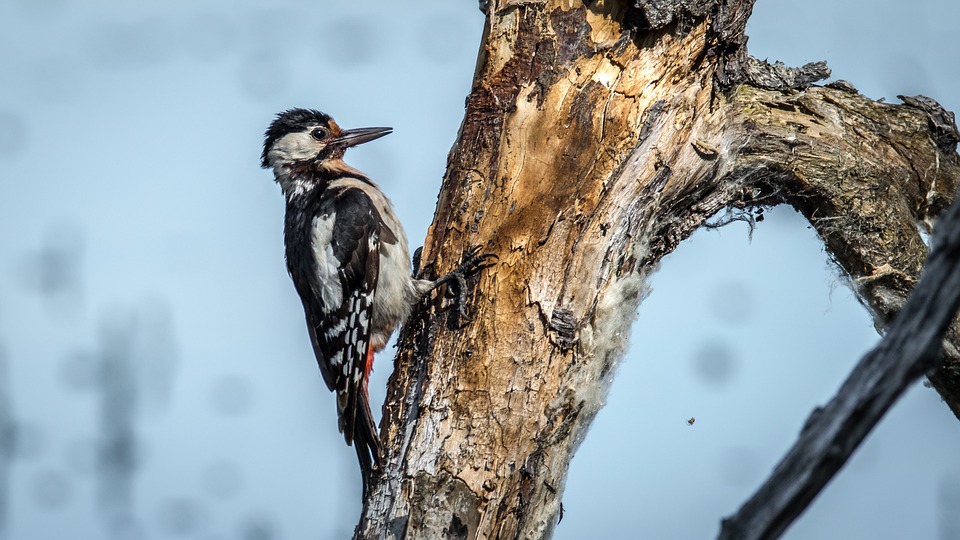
x,y
595,139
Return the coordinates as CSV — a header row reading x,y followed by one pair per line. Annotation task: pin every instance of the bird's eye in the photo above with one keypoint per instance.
x,y
319,134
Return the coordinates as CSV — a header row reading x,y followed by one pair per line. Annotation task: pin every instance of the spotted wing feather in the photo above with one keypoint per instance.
x,y
344,330
345,250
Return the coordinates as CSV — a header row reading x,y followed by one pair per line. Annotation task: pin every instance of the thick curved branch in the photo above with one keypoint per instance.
x,y
911,348
869,176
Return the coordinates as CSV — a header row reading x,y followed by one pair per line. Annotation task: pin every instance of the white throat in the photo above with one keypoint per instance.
x,y
293,185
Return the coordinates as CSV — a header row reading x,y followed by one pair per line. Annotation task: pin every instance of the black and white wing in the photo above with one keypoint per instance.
x,y
345,250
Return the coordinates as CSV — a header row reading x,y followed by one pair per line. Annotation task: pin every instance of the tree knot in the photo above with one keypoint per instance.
x,y
563,325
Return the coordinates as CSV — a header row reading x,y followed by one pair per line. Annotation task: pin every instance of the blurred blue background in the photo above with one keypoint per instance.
x,y
155,375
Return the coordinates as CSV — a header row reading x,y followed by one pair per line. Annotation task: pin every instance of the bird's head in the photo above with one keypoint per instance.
x,y
302,136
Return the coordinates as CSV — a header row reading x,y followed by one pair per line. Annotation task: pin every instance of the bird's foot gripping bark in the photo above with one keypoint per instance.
x,y
472,262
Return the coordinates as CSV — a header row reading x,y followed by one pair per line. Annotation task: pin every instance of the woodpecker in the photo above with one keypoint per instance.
x,y
347,255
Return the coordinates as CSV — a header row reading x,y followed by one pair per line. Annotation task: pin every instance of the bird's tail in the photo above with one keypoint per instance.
x,y
366,441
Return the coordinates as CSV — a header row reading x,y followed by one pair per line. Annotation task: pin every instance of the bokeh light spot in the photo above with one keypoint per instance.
x,y
54,269
715,363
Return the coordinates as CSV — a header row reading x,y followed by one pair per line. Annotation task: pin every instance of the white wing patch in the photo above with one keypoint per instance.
x,y
328,281
362,320
335,330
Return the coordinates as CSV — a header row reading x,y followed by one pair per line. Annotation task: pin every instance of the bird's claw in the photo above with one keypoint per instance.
x,y
472,262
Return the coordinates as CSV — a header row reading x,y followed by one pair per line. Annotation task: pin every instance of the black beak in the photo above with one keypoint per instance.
x,y
353,137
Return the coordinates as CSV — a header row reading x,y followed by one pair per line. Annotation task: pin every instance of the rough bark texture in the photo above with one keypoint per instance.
x,y
598,136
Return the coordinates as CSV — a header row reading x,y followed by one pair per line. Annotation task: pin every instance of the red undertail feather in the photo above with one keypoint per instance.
x,y
368,369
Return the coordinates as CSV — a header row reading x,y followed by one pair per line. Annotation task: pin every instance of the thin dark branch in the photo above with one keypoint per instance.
x,y
911,348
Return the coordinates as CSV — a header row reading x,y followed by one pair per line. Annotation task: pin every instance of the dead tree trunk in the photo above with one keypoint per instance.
x,y
598,136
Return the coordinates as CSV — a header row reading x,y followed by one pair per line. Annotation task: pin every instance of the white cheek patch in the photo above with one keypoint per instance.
x,y
294,147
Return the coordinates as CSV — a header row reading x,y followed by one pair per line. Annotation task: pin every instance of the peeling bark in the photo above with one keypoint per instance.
x,y
778,76
596,138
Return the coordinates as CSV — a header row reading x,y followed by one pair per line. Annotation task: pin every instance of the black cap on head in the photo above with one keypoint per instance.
x,y
289,121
